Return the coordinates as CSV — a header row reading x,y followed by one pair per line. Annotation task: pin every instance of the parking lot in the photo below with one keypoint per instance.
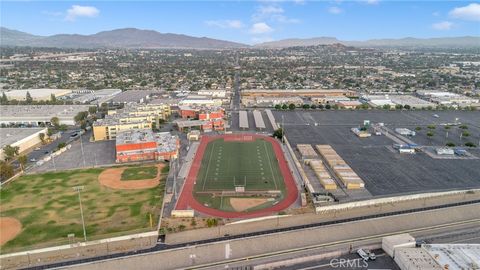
x,y
94,154
383,169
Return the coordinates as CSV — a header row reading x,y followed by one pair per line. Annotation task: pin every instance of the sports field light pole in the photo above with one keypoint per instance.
x,y
78,189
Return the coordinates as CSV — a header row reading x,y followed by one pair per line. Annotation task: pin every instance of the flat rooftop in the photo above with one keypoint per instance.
x,y
133,96
9,136
20,94
455,256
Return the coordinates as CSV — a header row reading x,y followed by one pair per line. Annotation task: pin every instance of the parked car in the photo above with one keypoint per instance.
x,y
371,255
363,254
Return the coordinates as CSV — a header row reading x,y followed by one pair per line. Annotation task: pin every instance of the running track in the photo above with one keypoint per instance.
x,y
187,201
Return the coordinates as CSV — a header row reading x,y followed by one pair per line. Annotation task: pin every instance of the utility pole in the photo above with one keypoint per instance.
x,y
78,189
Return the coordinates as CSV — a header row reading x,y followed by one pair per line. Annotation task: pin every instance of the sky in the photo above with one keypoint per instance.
x,y
250,22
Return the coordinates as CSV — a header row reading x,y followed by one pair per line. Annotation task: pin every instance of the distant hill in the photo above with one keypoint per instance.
x,y
119,38
297,42
453,42
137,38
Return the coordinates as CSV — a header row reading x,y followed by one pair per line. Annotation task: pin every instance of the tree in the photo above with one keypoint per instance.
x,y
398,106
320,106
291,106
212,222
284,106
470,144
407,107
10,152
92,110
306,106
450,144
61,145
49,132
447,127
278,133
55,122
6,170
81,116
313,107
465,134
328,107
63,127
23,161
28,98
386,107
4,99
41,136
278,107
53,98
463,127
431,126
418,128
430,134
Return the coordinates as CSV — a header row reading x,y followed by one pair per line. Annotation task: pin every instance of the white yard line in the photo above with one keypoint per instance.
x,y
270,163
208,167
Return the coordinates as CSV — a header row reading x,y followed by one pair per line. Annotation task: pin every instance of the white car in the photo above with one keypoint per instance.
x,y
363,254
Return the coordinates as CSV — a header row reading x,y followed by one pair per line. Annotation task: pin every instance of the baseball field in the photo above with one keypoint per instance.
x,y
43,209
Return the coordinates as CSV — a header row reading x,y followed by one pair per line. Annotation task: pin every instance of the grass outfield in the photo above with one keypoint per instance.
x,y
48,208
232,163
139,173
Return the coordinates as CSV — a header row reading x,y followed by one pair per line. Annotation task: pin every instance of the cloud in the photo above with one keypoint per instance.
x,y
335,10
272,13
469,13
260,28
81,11
270,10
226,24
442,26
256,40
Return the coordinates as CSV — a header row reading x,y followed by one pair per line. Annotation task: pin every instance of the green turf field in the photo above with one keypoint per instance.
x,y
229,164
48,208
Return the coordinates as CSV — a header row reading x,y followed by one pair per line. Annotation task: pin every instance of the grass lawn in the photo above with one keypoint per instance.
x,y
229,164
139,173
48,208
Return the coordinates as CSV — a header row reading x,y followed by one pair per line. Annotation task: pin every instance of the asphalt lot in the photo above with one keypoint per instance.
x,y
94,154
385,171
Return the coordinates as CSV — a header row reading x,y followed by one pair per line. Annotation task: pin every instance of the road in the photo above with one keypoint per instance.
x,y
275,232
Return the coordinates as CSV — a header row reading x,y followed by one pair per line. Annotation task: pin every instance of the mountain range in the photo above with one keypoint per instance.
x,y
137,38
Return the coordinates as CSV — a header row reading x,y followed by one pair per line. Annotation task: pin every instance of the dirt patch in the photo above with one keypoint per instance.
x,y
242,204
112,178
9,229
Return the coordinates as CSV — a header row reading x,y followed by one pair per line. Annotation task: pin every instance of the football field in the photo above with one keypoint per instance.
x,y
251,165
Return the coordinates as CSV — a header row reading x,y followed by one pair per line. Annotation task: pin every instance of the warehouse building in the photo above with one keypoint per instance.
x,y
35,115
271,101
448,98
145,145
94,96
297,93
134,96
24,138
197,100
36,94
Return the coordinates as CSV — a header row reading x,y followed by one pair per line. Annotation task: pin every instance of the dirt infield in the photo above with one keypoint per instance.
x,y
187,200
242,204
9,228
111,178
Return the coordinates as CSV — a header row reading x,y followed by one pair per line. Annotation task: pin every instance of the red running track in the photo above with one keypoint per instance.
x,y
187,201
